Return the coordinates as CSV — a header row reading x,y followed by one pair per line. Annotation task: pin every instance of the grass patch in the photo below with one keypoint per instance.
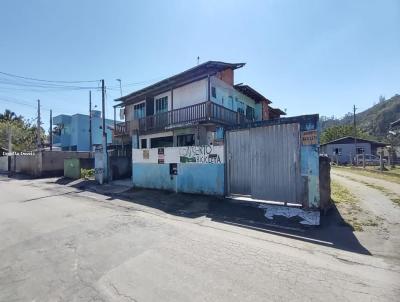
x,y
347,204
396,200
352,214
341,194
385,175
391,195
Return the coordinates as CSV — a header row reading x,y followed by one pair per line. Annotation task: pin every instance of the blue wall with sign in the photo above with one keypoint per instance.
x,y
191,177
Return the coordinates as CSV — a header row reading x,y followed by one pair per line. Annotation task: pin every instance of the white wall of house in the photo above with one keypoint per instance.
x,y
197,92
198,154
148,137
186,95
190,94
228,96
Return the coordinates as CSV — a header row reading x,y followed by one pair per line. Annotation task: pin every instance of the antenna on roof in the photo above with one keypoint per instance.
x,y
198,60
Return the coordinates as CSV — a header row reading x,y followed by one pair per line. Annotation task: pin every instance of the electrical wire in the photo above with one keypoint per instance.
x,y
48,81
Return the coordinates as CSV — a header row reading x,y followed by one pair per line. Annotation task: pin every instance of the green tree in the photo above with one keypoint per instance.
x,y
23,134
336,132
8,115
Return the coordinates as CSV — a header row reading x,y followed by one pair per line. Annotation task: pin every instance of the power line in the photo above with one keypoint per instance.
x,y
25,103
42,85
49,81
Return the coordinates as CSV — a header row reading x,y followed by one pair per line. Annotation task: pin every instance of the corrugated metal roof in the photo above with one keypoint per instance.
x,y
251,93
204,69
350,140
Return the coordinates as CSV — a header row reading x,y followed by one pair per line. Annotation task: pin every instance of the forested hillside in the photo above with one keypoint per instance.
x,y
374,121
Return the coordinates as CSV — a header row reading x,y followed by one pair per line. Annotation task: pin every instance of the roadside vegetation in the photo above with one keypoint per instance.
x,y
22,131
348,206
87,173
392,175
395,198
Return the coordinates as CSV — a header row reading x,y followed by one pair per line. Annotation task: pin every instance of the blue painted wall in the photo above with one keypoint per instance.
x,y
201,178
153,176
191,178
309,157
75,131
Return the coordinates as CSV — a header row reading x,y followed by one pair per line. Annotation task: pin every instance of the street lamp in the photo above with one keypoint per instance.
x,y
120,85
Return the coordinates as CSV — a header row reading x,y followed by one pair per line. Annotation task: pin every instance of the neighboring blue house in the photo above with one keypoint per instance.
x,y
71,132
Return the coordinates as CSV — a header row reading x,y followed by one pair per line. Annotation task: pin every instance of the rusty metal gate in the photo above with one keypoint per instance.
x,y
264,163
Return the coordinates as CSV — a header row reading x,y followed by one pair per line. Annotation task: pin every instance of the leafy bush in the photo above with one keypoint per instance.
x,y
87,173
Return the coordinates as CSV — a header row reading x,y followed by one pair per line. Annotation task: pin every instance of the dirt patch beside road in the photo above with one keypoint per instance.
x,y
382,235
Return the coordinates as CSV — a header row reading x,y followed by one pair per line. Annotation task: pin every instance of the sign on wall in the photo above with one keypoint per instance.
x,y
199,154
309,137
161,157
206,154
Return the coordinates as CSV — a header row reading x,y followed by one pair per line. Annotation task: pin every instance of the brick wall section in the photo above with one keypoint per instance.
x,y
226,76
265,111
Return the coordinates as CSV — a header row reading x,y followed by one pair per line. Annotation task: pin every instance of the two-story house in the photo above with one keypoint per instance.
x,y
190,108
72,132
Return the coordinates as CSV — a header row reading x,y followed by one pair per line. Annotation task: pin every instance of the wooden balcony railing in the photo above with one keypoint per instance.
x,y
202,112
206,111
126,128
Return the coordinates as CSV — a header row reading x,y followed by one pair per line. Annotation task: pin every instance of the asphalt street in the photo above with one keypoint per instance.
x,y
60,243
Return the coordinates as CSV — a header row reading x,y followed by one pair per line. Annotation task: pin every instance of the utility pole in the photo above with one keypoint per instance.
x,y
9,163
103,107
90,121
51,130
38,125
355,133
105,154
9,138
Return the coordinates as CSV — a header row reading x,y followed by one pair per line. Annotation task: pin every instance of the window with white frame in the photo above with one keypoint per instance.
x,y
240,106
250,112
360,150
337,151
162,104
139,111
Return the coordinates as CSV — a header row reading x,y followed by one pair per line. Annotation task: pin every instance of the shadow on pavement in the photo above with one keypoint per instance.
x,y
332,232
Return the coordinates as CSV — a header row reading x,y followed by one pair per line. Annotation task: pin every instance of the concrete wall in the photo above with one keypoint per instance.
x,y
3,163
192,178
325,183
44,163
27,164
53,161
200,169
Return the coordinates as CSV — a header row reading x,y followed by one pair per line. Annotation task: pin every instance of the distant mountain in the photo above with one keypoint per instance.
x,y
374,121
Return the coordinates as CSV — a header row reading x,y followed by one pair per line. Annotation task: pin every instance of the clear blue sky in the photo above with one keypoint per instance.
x,y
306,56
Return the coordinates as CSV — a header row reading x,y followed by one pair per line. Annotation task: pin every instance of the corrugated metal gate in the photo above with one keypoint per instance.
x,y
264,162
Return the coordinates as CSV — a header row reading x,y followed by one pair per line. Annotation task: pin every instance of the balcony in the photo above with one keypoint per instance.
x,y
126,128
181,117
